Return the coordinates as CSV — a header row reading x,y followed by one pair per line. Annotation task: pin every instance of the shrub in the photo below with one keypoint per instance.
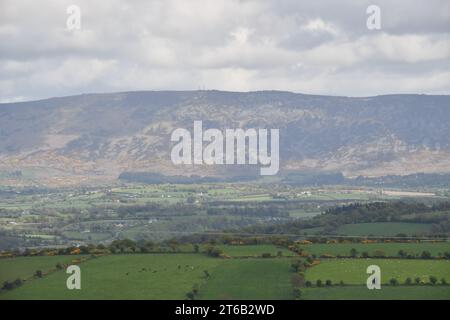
x,y
297,293
7,285
18,282
297,280
213,251
190,295
393,282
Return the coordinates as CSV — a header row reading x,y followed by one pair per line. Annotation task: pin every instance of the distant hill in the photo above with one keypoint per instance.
x,y
99,136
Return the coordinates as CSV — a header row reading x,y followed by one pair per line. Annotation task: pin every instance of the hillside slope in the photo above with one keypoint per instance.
x,y
90,136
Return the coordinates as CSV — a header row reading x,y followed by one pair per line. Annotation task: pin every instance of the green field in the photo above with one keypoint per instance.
x,y
256,197
391,249
353,271
25,267
386,293
86,235
249,279
158,276
253,250
303,214
384,229
124,277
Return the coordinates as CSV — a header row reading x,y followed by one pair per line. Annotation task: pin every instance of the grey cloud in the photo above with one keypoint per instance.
x,y
320,47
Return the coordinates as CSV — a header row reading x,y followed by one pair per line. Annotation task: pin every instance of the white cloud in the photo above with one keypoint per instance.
x,y
315,47
318,25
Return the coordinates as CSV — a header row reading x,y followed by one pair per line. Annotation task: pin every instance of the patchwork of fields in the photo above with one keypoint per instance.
x,y
157,212
246,275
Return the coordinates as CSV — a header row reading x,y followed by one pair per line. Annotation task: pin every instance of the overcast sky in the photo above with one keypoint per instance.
x,y
319,47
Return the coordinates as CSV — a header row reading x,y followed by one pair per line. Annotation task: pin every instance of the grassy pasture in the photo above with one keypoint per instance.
x,y
253,250
391,249
386,293
124,277
94,236
171,276
25,267
249,279
303,214
384,229
255,198
353,271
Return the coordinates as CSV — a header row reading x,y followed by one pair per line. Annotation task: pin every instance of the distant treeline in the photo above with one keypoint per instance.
x,y
397,211
157,178
259,211
301,179
408,181
155,209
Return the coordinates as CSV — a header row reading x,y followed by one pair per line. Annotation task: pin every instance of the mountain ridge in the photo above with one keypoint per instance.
x,y
100,135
